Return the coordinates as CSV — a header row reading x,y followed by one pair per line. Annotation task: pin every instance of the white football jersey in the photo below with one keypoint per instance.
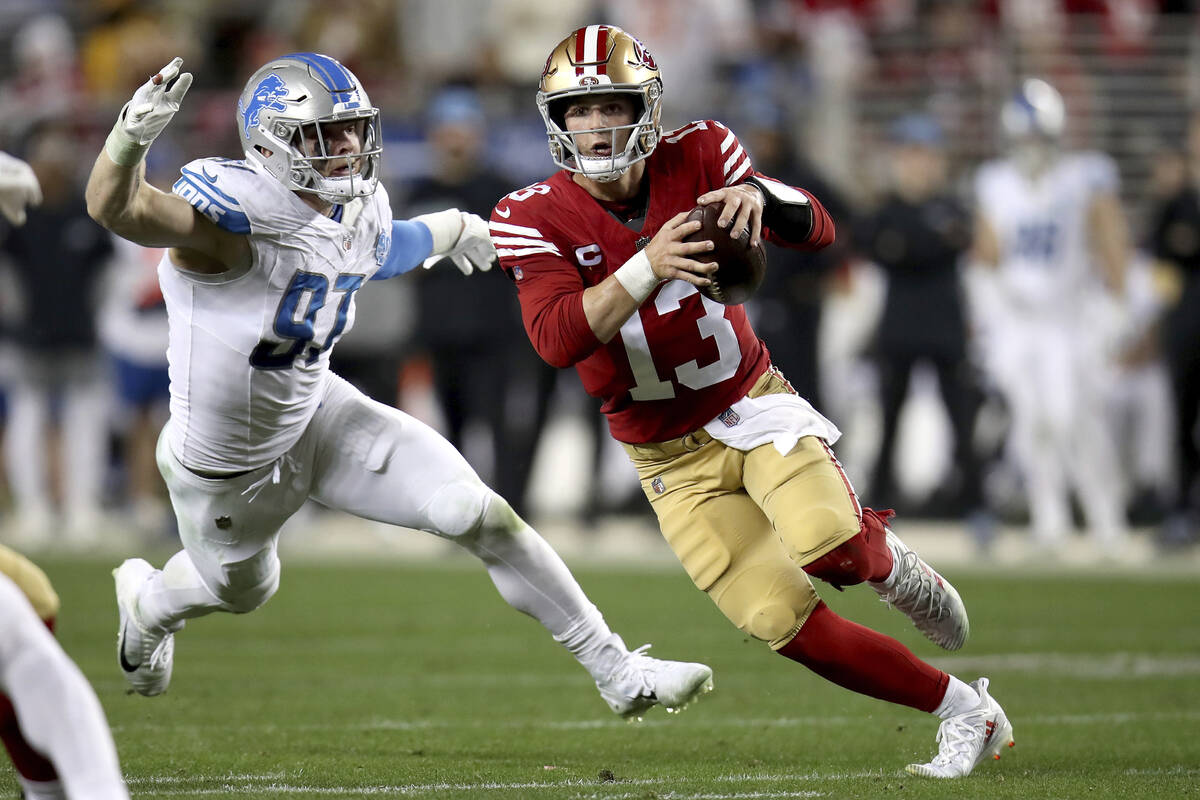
x,y
249,352
1041,225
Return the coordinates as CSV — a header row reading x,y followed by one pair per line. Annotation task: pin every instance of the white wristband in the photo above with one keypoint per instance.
x,y
446,228
637,276
122,149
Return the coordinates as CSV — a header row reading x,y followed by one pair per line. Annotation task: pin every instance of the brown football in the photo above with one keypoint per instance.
x,y
740,267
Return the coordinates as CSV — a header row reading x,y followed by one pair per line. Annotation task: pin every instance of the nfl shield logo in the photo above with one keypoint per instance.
x,y
347,240
729,417
658,486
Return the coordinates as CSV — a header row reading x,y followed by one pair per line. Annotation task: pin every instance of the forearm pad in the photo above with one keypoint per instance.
x,y
786,211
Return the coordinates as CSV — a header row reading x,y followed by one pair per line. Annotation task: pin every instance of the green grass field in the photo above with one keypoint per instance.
x,y
417,681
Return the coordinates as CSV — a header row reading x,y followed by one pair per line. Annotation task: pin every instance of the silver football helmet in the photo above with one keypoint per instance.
x,y
1033,121
284,105
600,59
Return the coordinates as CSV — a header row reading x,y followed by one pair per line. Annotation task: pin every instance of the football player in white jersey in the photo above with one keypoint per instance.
x,y
1051,231
265,257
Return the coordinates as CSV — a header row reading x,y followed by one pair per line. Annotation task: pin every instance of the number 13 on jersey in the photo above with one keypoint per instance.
x,y
713,325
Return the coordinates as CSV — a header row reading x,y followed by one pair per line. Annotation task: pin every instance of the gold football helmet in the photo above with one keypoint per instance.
x,y
601,59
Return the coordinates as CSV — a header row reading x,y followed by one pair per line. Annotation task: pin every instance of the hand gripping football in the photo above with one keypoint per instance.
x,y
740,267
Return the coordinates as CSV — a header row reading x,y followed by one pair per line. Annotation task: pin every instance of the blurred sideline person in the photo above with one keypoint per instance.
x,y
484,371
917,236
58,390
133,330
265,257
50,720
736,465
1051,234
1175,243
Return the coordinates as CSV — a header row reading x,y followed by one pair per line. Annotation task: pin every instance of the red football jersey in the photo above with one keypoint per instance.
x,y
682,358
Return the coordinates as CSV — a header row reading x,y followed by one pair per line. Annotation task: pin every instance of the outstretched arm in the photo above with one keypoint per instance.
x,y
120,199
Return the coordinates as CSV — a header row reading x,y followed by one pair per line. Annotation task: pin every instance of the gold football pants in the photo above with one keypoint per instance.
x,y
743,524
30,579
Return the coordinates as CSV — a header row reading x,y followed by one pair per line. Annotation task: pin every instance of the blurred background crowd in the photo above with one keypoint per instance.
x,y
885,109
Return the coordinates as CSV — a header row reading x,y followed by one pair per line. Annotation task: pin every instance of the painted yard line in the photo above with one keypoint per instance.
x,y
249,784
1113,717
395,791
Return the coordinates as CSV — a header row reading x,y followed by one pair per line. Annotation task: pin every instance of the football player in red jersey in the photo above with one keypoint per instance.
x,y
736,465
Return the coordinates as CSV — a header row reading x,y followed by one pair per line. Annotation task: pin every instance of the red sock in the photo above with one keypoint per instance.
x,y
29,763
864,661
864,557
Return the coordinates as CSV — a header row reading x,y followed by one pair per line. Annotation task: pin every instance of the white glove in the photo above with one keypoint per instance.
x,y
18,188
470,247
144,117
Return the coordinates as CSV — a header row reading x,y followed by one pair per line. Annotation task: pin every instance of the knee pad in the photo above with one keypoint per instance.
x,y
768,602
250,583
863,557
458,509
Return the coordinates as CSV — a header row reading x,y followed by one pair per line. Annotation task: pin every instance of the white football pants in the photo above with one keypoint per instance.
x,y
376,462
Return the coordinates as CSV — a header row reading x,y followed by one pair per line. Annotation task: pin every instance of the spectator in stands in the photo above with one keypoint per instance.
x,y
132,326
918,235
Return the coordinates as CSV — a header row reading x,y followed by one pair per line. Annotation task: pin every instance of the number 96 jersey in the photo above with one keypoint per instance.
x,y
682,358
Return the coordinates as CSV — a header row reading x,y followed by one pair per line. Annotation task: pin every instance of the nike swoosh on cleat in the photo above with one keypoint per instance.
x,y
125,665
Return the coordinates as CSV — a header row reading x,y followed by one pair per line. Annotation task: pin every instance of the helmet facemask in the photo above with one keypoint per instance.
x,y
596,60
642,138
281,119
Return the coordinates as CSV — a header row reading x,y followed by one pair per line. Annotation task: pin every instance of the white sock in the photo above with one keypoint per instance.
x,y
56,708
532,578
42,790
596,647
959,699
173,594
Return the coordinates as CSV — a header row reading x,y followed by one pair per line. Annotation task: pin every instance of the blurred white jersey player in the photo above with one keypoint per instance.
x,y
1052,231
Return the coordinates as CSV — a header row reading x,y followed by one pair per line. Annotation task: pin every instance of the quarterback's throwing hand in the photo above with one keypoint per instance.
x,y
18,188
144,117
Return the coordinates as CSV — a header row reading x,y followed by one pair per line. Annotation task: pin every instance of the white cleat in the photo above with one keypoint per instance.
x,y
965,740
925,597
145,655
641,682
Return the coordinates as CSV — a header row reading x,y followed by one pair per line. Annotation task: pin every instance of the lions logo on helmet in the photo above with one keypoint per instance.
x,y
302,92
266,95
601,59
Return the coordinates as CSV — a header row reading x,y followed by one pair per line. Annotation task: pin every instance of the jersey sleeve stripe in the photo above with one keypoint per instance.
x,y
514,240
697,126
739,173
526,251
521,230
729,140
733,159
